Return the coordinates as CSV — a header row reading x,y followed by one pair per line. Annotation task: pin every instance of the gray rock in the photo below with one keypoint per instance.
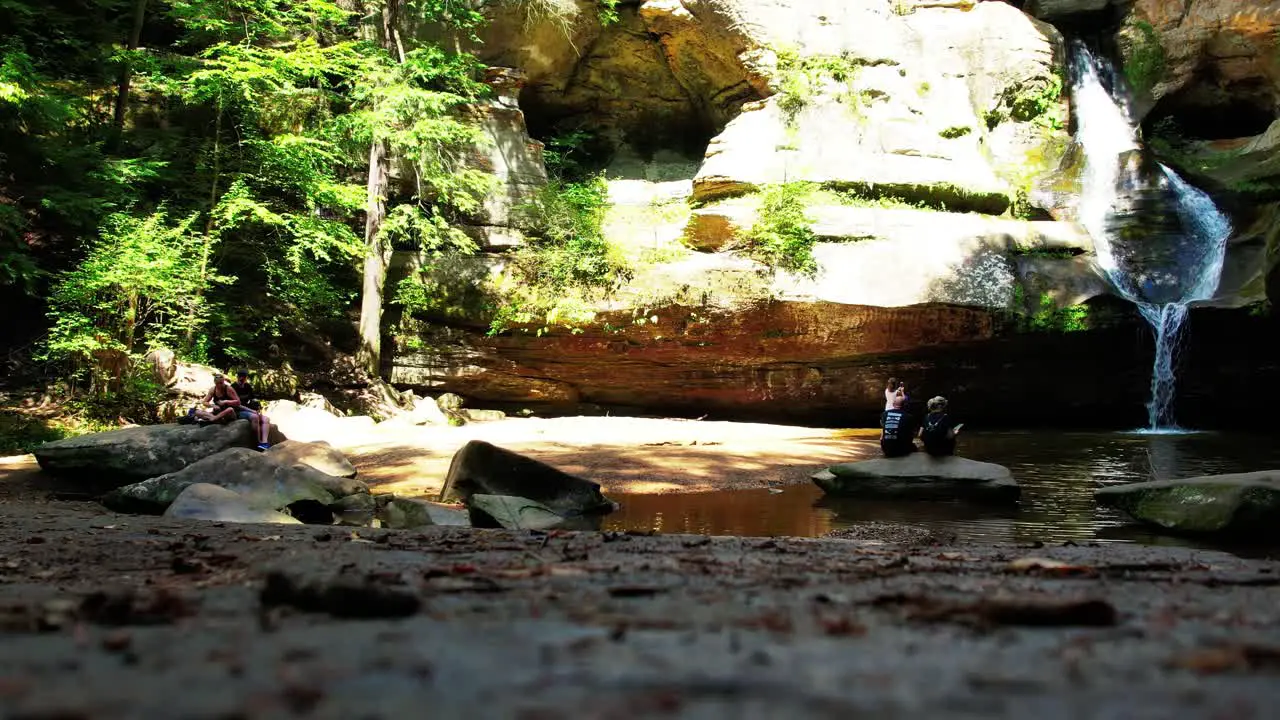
x,y
450,401
264,482
1054,10
512,513
479,468
473,415
319,455
203,501
1246,504
410,513
118,457
358,509
163,364
920,476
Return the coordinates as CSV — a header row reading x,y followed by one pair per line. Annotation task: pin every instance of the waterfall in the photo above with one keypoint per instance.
x,y
1181,235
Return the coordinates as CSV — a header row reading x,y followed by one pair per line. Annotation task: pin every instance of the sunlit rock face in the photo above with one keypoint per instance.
x,y
951,106
1218,54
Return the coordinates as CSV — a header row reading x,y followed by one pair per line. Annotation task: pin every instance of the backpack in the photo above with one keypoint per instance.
x,y
934,427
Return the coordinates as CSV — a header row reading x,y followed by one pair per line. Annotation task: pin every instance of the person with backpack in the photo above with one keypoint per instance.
x,y
939,431
250,409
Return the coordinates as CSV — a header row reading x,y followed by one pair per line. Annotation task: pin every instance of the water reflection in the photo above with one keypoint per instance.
x,y
1058,473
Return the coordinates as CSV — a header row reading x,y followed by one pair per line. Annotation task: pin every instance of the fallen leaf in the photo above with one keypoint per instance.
x,y
1229,658
1050,566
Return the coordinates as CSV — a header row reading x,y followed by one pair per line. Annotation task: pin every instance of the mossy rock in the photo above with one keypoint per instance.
x,y
1245,504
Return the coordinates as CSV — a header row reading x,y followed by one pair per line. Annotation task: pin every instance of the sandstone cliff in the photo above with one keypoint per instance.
x,y
926,126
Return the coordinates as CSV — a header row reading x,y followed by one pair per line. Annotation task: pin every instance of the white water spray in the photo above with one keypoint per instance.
x,y
1188,271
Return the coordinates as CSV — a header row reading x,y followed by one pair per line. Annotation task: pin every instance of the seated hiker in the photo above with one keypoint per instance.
x,y
939,430
224,400
897,439
251,409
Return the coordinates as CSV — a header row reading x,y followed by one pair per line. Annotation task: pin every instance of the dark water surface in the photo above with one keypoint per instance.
x,y
1058,473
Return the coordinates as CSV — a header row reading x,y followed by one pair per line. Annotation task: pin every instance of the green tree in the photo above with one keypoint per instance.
x,y
414,109
133,290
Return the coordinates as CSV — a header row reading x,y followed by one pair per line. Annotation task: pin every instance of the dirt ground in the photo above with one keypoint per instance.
x,y
625,455
111,616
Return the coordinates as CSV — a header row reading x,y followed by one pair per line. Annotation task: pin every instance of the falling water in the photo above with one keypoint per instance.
x,y
1181,260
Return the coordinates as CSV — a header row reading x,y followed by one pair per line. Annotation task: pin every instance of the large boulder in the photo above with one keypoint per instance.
x,y
118,457
957,258
920,476
265,482
887,154
1245,504
479,468
203,501
319,455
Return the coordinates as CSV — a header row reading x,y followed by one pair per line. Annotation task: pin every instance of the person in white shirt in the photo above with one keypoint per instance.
x,y
893,392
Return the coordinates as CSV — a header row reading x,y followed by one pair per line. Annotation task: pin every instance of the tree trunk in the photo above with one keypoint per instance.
x,y
375,262
126,72
376,256
207,244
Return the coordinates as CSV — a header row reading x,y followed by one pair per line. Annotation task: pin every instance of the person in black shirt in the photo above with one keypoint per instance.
x,y
939,431
897,438
251,409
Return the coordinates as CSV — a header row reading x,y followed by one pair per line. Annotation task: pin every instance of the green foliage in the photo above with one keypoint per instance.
x,y
1050,253
23,432
134,290
1042,103
574,155
955,131
608,11
1144,57
1044,315
781,236
251,121
567,262
802,79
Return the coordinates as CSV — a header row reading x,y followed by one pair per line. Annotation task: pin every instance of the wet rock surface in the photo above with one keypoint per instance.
x,y
247,621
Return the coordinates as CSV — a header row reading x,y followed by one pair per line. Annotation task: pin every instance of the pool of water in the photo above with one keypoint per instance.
x,y
1058,472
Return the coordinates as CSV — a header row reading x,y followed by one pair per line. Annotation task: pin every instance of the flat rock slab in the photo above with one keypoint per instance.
x,y
203,501
120,457
920,476
1246,504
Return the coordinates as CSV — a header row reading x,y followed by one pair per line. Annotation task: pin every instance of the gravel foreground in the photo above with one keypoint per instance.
x,y
108,616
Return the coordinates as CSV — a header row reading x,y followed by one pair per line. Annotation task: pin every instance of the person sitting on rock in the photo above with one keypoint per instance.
x,y
897,438
939,430
224,400
251,409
